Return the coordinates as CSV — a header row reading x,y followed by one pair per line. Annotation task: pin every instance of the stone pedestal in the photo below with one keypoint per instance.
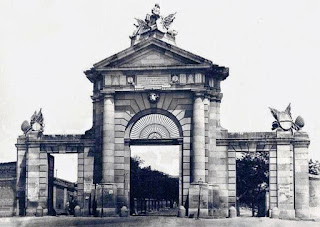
x,y
106,200
194,191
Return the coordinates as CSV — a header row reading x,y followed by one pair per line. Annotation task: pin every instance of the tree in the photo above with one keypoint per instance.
x,y
252,179
152,184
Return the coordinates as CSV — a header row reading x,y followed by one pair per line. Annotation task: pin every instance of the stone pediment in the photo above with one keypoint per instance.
x,y
150,53
152,57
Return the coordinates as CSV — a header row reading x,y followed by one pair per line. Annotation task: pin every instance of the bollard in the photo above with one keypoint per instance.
x,y
181,212
77,211
39,211
275,213
124,211
232,212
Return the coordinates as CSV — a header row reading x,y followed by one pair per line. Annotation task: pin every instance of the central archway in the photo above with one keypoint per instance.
x,y
155,127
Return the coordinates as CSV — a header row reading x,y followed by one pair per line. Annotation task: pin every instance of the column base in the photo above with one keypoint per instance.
x,y
303,213
31,211
217,204
287,214
195,205
106,212
106,195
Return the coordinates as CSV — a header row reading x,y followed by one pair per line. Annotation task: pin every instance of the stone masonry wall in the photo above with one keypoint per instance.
x,y
127,105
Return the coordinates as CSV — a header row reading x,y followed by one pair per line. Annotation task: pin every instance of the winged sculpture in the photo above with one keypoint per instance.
x,y
167,21
155,21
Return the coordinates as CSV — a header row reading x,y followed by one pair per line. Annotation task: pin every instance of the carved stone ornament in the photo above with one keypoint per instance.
x,y
155,21
153,97
36,123
284,120
175,79
130,80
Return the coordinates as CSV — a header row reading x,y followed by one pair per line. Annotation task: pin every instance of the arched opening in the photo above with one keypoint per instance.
x,y
155,144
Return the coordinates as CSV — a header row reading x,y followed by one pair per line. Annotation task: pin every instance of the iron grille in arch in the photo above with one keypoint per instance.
x,y
154,126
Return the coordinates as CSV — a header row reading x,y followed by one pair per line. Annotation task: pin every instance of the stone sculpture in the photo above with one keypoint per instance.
x,y
155,21
284,120
153,97
36,123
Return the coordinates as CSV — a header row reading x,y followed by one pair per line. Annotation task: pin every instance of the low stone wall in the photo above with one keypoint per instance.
x,y
314,182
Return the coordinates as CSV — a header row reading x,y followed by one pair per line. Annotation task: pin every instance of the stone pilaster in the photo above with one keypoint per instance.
x,y
88,168
33,176
198,143
21,175
217,164
285,186
273,195
108,140
301,174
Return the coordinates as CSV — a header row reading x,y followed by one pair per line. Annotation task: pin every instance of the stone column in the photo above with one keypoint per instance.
x,y
198,188
198,143
108,140
107,191
301,175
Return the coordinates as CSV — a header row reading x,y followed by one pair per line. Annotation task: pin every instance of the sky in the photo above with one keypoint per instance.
x,y
271,47
161,158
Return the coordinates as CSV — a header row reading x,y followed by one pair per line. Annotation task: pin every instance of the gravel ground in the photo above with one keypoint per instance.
x,y
150,221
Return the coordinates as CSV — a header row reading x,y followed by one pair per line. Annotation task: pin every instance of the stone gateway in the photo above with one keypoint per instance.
x,y
155,92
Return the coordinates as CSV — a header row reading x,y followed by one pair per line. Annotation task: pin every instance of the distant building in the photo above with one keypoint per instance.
x,y
8,178
62,191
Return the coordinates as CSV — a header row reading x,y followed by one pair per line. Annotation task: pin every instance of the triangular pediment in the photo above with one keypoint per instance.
x,y
149,53
152,57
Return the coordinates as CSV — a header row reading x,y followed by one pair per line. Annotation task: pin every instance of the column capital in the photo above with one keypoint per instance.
x,y
108,95
215,96
197,94
97,97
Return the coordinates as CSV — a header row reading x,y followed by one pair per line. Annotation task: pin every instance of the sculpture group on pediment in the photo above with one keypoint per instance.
x,y
155,21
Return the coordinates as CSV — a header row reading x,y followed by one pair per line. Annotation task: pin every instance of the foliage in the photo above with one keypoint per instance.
x,y
314,167
153,184
252,178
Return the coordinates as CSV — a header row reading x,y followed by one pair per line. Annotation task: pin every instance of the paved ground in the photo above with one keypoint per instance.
x,y
150,221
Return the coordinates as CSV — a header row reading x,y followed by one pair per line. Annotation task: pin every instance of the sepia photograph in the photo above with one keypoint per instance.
x,y
159,113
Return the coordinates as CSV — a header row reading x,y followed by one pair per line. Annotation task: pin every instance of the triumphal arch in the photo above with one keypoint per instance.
x,y
156,93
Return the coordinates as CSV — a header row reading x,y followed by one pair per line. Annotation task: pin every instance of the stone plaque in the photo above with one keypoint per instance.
x,y
284,193
285,189
194,196
153,80
87,186
33,191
